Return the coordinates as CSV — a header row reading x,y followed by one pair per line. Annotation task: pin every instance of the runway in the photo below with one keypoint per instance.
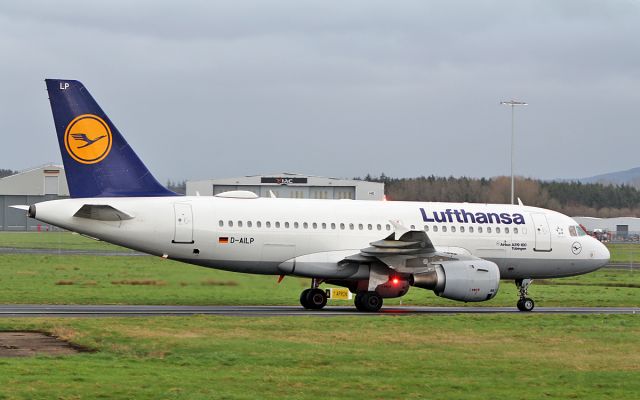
x,y
93,311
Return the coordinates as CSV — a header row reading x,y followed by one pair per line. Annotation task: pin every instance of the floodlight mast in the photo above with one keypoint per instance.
x,y
513,104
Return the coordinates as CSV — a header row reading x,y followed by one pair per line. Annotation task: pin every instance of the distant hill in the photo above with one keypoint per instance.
x,y
629,177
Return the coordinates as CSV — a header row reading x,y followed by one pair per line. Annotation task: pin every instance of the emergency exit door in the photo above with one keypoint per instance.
x,y
183,223
543,235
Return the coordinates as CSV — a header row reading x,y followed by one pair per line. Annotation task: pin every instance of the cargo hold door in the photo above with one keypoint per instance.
x,y
183,223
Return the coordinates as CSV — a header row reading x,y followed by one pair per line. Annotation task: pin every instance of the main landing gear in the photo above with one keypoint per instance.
x,y
525,303
368,301
313,298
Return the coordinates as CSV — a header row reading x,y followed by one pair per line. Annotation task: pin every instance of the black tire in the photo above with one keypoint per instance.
x,y
316,299
527,304
357,301
368,302
519,305
304,298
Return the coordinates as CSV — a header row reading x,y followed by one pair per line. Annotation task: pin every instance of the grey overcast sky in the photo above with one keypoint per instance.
x,y
205,89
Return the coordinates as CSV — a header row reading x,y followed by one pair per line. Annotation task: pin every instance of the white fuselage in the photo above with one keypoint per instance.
x,y
264,235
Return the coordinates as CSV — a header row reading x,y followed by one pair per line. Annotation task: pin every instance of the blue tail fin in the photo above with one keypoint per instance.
x,y
98,161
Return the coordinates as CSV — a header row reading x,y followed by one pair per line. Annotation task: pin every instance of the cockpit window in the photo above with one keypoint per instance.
x,y
581,231
572,231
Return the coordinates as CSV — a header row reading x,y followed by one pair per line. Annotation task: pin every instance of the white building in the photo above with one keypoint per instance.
x,y
287,185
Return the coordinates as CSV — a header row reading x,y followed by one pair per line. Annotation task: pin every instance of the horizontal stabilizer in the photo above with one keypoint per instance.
x,y
102,212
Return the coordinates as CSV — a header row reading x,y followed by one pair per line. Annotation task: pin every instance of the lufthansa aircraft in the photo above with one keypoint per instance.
x,y
375,249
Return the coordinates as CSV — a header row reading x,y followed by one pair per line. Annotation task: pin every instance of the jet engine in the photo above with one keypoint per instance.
x,y
462,280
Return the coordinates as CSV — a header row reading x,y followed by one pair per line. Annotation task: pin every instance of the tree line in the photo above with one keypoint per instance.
x,y
571,198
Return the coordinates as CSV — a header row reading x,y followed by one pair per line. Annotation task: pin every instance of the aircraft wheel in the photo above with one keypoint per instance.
x,y
527,304
368,302
316,299
304,298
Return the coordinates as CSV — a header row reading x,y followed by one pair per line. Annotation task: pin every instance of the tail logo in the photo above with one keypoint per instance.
x,y
88,139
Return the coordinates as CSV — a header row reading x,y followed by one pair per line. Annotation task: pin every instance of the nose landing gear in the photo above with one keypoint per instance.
x,y
525,303
313,298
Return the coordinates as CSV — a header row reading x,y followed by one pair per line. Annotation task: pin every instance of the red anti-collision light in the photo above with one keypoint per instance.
x,y
395,281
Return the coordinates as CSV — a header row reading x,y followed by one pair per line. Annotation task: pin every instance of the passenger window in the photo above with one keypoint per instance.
x,y
277,224
515,231
230,223
333,225
426,228
370,227
268,224
379,227
572,231
479,229
259,224
296,225
286,225
488,229
388,227
498,230
239,224
315,225
444,229
435,228
324,225
471,229
506,230
351,226
221,223
249,224
360,227
453,229
462,229
413,227
305,225
342,226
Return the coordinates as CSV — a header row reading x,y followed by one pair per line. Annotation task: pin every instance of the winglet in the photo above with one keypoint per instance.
x,y
399,228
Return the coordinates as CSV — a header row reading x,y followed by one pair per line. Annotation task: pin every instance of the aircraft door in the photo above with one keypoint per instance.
x,y
183,223
543,235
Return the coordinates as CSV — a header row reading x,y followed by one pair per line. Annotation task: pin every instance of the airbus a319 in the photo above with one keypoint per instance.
x,y
376,249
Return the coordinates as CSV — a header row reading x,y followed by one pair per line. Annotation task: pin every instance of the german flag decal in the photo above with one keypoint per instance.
x,y
223,240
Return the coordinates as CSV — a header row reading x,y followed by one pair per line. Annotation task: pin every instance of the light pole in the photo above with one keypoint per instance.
x,y
513,104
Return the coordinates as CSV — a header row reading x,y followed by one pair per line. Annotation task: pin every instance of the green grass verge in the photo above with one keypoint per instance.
x,y
625,253
80,279
54,240
523,356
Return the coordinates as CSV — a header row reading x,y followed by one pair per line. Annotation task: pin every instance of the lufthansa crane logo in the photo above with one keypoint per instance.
x,y
576,248
88,139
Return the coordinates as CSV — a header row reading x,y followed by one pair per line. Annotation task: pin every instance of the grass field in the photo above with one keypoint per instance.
x,y
84,279
523,356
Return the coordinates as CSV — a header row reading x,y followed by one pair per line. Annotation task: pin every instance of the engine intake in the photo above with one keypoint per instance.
x,y
462,280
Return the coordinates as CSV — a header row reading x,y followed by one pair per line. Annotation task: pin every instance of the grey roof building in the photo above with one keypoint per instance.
x,y
288,185
46,182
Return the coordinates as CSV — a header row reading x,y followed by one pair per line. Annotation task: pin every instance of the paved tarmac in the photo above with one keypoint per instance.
x,y
33,310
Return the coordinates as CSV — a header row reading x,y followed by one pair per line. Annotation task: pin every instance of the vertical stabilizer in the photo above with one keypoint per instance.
x,y
98,161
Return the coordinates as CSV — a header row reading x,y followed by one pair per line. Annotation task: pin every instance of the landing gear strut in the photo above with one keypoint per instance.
x,y
525,303
313,298
368,301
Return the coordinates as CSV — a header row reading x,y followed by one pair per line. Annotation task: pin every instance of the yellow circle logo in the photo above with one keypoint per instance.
x,y
88,139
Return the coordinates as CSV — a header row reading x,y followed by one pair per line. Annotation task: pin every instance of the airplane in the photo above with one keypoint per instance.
x,y
376,249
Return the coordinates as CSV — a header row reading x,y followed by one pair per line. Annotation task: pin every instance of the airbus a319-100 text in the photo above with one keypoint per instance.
x,y
376,249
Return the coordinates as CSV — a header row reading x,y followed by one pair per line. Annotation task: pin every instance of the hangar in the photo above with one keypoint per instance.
x,y
288,185
617,229
46,182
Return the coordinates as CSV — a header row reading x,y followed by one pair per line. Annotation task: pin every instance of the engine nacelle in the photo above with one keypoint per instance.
x,y
462,280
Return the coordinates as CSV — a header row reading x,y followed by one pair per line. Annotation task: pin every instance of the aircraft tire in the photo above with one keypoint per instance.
x,y
527,304
316,299
368,302
304,298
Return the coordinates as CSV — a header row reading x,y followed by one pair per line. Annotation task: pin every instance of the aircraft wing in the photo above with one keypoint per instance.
x,y
102,212
405,251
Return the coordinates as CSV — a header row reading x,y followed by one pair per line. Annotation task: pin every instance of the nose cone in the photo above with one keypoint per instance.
x,y
601,253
